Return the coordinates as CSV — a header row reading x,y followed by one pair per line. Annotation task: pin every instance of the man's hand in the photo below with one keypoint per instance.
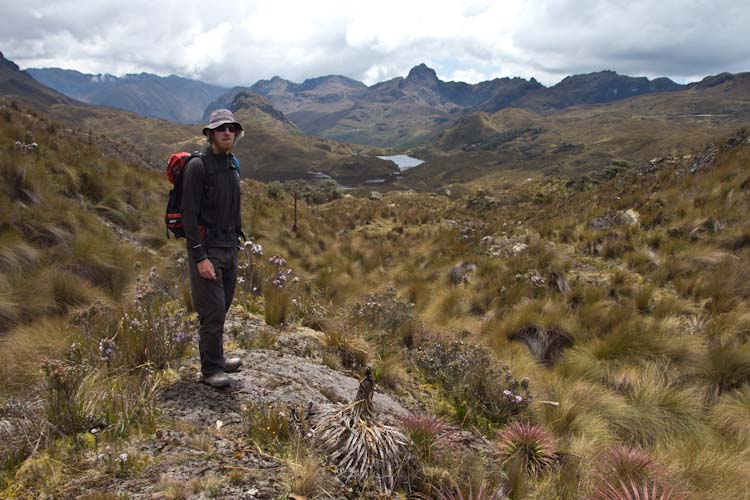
x,y
206,270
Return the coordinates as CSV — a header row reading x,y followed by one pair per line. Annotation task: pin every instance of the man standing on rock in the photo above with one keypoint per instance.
x,y
212,221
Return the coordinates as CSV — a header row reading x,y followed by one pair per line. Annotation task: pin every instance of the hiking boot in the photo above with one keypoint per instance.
x,y
217,380
232,365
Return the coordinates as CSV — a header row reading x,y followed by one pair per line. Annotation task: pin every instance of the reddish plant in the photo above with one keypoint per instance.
x,y
527,445
425,431
646,490
622,463
454,492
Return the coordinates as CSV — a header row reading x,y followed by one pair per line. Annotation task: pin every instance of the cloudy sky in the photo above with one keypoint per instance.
x,y
239,42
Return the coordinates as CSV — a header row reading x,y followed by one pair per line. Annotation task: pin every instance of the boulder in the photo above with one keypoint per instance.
x,y
617,218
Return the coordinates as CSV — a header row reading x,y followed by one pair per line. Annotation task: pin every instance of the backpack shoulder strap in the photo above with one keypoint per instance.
x,y
235,162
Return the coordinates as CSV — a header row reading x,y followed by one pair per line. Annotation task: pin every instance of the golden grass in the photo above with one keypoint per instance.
x,y
731,417
27,345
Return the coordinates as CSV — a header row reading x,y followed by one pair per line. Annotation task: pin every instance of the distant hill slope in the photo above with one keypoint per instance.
x,y
273,147
14,83
577,140
172,98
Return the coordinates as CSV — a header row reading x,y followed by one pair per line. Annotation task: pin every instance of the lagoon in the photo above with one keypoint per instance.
x,y
404,162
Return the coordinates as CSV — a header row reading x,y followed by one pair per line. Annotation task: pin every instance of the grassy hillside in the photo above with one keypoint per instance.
x,y
75,226
583,138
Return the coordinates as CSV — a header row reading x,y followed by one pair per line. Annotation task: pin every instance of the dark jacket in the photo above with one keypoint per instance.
x,y
211,203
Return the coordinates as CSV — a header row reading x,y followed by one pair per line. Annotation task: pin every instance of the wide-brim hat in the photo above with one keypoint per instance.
x,y
221,117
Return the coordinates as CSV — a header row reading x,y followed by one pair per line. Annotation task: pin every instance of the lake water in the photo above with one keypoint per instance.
x,y
403,162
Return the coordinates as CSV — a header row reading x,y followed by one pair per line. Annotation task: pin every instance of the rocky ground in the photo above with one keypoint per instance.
x,y
201,447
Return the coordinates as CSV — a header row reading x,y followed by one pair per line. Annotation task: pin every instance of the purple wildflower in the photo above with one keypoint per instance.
x,y
106,349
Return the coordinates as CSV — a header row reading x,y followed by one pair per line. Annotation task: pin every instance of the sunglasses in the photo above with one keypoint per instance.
x,y
227,127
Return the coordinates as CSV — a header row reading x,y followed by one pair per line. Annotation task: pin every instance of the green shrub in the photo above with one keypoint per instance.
x,y
471,375
153,332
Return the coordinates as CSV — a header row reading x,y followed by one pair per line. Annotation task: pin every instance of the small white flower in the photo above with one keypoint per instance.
x,y
219,424
123,457
252,491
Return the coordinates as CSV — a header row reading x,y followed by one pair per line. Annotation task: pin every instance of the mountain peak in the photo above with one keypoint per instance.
x,y
422,72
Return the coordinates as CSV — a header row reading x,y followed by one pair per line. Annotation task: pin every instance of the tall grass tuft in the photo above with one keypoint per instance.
x,y
102,262
724,369
27,346
731,416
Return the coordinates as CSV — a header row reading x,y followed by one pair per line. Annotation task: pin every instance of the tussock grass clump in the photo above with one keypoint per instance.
x,y
659,411
307,475
639,340
15,253
10,309
79,397
97,259
731,415
68,291
389,371
27,345
580,412
352,350
723,369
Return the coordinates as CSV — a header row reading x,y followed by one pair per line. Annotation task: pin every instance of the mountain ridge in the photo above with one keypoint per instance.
x,y
400,112
172,97
428,104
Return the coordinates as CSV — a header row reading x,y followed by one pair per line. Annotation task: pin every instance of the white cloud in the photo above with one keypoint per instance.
x,y
468,75
241,42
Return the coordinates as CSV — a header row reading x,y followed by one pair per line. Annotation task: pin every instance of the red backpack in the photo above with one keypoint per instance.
x,y
175,167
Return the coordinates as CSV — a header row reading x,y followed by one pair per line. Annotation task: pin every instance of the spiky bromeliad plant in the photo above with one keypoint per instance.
x,y
624,464
362,449
528,446
454,492
644,491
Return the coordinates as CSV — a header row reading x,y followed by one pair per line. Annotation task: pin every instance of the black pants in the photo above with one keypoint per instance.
x,y
211,300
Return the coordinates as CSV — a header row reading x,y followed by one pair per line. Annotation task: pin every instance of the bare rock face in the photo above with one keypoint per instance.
x,y
609,220
461,273
545,344
271,377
